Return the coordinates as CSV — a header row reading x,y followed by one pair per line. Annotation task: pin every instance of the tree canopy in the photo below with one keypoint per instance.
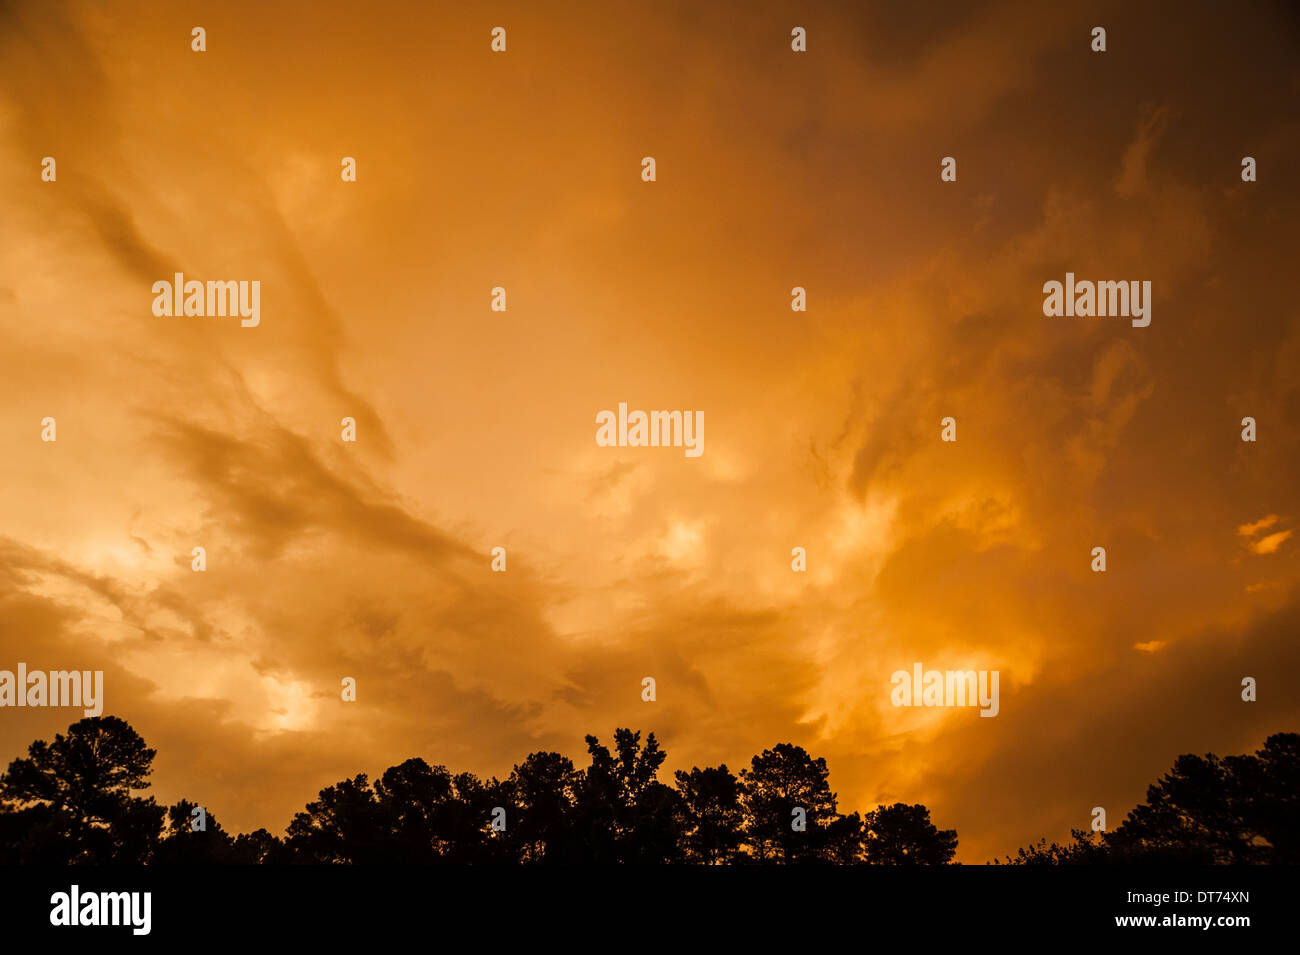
x,y
79,799
1205,810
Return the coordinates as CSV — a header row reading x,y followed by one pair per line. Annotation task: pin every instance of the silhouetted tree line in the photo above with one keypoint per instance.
x,y
1240,810
75,801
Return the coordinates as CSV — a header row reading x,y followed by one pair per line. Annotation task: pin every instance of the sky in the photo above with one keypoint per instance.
x,y
476,428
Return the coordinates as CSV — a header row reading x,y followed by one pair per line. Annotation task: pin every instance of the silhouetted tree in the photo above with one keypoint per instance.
x,y
467,834
71,800
543,791
1085,848
259,847
414,813
1237,810
35,834
904,835
624,813
1206,810
845,837
431,815
780,780
409,801
343,826
1269,796
712,817
182,844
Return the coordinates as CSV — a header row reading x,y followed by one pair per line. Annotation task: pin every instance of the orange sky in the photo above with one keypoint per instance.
x,y
476,428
